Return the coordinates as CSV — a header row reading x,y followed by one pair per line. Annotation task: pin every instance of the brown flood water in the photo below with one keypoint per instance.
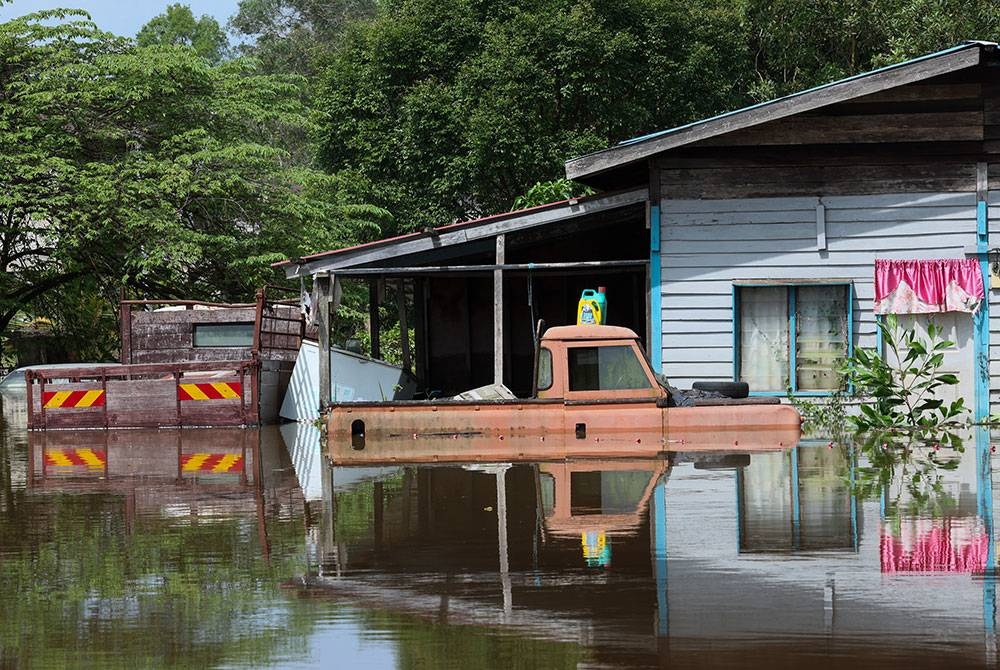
x,y
231,548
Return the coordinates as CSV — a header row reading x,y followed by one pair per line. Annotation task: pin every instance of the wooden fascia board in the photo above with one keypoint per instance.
x,y
874,82
425,243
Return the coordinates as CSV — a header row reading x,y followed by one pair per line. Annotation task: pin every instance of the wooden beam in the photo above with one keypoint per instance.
x,y
498,311
420,338
846,89
126,332
404,330
325,293
487,268
373,325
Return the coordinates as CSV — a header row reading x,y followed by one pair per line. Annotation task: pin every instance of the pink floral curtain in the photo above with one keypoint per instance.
x,y
941,545
923,287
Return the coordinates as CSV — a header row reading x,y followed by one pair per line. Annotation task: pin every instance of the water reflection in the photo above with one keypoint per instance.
x,y
150,547
245,549
721,548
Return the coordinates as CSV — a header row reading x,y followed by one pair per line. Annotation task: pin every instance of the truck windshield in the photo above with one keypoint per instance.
x,y
613,368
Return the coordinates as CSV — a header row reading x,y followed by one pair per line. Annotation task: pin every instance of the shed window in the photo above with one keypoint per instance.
x,y
612,368
793,337
223,334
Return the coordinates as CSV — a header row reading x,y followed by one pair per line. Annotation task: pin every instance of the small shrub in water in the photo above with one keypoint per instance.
x,y
902,391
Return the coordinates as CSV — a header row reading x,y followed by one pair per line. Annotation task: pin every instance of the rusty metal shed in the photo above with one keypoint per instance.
x,y
475,289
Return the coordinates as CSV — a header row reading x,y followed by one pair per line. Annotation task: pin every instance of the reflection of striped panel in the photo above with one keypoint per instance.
x,y
74,457
70,399
210,391
212,463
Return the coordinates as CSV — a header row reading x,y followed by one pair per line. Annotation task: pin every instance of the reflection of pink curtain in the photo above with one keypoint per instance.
x,y
943,545
922,287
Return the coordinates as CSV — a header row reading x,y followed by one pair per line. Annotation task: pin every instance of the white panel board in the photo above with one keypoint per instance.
x,y
353,378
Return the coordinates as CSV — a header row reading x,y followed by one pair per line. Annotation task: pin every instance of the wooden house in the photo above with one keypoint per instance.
x,y
743,246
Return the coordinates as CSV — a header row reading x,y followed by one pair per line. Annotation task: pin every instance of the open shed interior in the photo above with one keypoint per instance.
x,y
451,294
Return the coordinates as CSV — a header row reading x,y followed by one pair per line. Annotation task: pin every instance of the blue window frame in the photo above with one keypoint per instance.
x,y
792,336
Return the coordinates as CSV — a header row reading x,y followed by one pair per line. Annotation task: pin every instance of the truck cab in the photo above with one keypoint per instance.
x,y
594,363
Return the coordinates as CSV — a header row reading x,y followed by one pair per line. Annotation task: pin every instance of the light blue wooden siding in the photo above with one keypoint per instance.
x,y
993,214
707,245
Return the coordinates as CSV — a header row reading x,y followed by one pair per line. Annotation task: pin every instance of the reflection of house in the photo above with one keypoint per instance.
x,y
742,246
934,519
424,543
797,500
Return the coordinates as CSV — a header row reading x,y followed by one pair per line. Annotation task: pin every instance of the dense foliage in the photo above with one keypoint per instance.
x,y
150,169
166,166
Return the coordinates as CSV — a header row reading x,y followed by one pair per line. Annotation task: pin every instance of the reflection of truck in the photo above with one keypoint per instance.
x,y
596,395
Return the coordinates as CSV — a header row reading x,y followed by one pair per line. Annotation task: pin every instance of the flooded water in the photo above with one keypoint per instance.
x,y
241,549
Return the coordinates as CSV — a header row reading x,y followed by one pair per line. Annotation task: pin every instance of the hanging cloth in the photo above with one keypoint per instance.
x,y
924,287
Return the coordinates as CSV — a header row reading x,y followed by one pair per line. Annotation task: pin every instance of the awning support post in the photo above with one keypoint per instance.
x,y
498,312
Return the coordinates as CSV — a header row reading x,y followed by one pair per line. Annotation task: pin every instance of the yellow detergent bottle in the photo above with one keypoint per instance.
x,y
592,308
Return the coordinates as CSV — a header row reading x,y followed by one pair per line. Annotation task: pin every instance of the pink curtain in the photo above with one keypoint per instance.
x,y
923,287
941,545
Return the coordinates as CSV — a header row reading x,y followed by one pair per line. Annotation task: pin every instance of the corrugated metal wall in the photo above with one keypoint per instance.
x,y
707,245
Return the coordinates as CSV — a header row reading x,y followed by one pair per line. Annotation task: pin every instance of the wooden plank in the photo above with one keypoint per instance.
x,y
825,180
201,356
788,265
700,354
923,92
192,316
866,129
833,203
800,220
883,153
840,243
699,370
682,236
673,301
715,340
847,89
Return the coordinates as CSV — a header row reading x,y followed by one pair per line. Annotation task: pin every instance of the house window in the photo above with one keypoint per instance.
x,y
223,334
792,336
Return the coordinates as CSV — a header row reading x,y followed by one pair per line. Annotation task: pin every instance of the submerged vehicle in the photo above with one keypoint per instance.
x,y
596,395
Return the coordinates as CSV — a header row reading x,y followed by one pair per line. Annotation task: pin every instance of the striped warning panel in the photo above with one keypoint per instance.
x,y
67,458
212,463
72,399
210,391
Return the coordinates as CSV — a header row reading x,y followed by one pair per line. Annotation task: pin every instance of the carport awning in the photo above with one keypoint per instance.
x,y
419,248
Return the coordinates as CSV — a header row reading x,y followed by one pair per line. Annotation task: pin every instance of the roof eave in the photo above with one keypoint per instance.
x,y
950,60
463,233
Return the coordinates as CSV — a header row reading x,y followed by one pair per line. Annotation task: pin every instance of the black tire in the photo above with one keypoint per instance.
x,y
728,389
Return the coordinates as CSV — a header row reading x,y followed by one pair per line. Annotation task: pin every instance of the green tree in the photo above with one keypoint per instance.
x,y
455,108
149,168
797,45
178,26
292,35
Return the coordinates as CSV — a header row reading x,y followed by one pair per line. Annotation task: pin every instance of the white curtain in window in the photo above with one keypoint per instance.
x,y
764,337
821,342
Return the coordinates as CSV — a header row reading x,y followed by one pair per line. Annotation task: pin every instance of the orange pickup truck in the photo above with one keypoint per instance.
x,y
596,396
